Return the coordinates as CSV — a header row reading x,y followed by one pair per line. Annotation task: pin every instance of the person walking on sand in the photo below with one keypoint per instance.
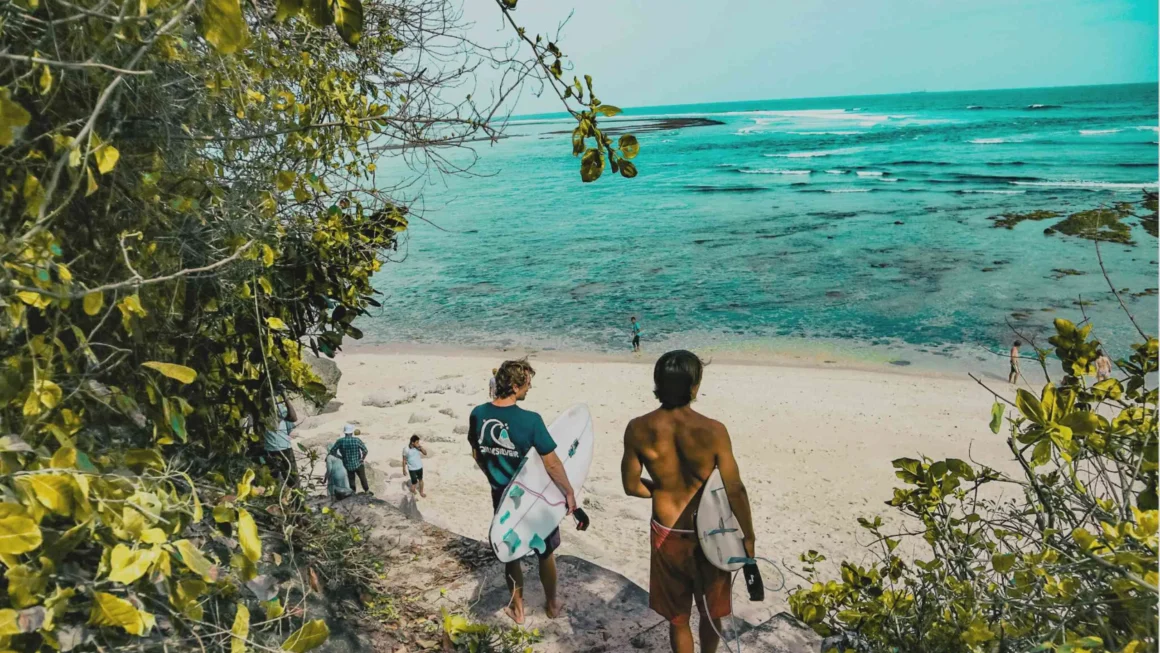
x,y
635,334
276,441
413,463
1013,375
491,384
1103,366
501,434
352,452
680,448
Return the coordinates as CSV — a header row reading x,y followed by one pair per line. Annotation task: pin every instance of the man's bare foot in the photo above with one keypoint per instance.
x,y
423,494
554,609
516,612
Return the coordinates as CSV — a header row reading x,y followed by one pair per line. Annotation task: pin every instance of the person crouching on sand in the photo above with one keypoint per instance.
x,y
680,447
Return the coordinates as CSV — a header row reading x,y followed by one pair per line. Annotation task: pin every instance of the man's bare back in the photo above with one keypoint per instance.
x,y
679,448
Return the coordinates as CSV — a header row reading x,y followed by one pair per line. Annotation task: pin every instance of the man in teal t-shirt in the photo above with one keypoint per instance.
x,y
501,434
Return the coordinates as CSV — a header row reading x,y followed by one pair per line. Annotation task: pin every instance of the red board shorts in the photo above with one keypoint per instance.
x,y
680,573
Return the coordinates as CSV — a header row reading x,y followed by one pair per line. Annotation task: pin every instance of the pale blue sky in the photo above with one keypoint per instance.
x,y
655,52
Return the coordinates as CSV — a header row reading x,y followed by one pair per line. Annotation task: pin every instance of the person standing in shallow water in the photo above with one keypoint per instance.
x,y
680,448
1013,375
635,334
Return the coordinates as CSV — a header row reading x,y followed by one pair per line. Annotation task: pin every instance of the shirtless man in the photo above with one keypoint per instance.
x,y
1013,375
680,447
1103,366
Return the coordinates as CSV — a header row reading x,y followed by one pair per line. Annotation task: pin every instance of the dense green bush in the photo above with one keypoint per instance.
x,y
1060,557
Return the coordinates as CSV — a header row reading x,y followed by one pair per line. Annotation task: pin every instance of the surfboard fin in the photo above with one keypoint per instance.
x,y
537,544
512,540
505,517
515,495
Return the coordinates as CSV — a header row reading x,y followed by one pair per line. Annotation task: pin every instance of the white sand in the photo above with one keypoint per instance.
x,y
814,445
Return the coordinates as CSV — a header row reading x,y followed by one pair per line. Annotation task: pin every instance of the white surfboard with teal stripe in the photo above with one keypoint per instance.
x,y
532,506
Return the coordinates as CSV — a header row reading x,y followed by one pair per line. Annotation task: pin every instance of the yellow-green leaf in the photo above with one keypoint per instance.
x,y
248,536
225,29
348,19
273,609
310,635
240,630
996,417
64,458
45,81
276,323
144,458
53,491
286,9
127,565
93,302
109,610
13,118
107,157
608,110
245,486
284,180
92,182
172,370
268,258
629,147
8,623
193,558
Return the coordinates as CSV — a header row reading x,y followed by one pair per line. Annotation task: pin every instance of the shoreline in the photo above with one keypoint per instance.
x,y
815,443
809,355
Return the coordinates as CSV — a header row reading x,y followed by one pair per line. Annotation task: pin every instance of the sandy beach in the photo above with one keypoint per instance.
x,y
814,444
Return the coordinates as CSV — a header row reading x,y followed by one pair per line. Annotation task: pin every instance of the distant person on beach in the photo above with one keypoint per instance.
x,y
635,334
1013,375
279,450
680,448
1103,366
413,463
501,434
352,452
491,383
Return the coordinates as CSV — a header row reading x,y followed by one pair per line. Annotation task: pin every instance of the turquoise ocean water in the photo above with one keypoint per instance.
x,y
854,222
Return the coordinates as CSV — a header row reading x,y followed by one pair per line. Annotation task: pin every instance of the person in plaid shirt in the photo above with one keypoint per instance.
x,y
352,451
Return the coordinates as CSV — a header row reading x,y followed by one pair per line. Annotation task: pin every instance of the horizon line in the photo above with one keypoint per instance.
x,y
564,114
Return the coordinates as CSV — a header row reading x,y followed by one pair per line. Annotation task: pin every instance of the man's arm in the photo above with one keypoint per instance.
x,y
734,488
291,414
630,469
556,472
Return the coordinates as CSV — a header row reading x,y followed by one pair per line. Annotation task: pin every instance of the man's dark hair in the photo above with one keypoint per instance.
x,y
414,439
633,318
511,375
1018,343
675,375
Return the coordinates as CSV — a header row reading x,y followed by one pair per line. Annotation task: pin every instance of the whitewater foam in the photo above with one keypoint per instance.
x,y
1097,132
772,171
987,141
815,154
870,173
850,190
1095,185
837,172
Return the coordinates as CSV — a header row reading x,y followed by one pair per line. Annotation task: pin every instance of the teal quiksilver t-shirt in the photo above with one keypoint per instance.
x,y
503,436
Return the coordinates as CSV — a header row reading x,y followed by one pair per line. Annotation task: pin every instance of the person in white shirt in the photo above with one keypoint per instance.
x,y
413,462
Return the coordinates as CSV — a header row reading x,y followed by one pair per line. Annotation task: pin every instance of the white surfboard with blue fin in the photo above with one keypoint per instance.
x,y
532,506
718,530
